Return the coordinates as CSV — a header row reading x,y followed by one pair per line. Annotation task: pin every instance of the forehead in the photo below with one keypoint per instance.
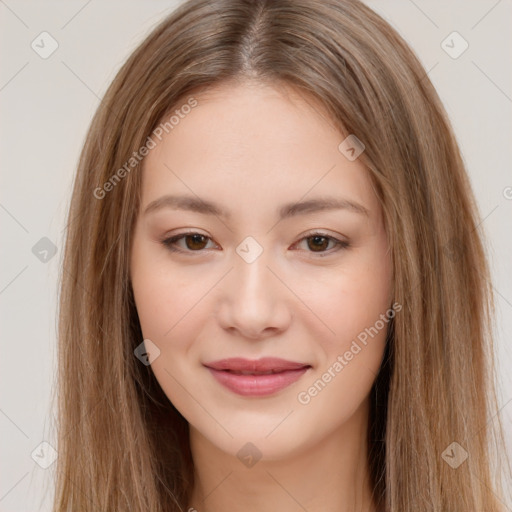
x,y
251,143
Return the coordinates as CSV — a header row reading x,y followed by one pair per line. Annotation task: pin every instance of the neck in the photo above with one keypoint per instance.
x,y
331,476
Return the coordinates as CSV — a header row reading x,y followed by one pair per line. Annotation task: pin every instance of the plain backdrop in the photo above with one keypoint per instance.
x,y
46,107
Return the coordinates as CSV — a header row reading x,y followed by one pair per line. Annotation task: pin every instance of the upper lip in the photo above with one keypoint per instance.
x,y
264,364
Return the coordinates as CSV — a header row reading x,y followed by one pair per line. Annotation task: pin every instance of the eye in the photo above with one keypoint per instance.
x,y
317,242
194,242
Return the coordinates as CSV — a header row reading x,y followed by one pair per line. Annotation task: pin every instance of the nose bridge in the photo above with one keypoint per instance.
x,y
252,280
254,301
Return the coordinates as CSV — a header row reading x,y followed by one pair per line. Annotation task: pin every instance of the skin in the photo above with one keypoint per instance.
x,y
252,148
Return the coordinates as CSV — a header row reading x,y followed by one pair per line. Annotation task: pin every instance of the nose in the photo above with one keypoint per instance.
x,y
254,302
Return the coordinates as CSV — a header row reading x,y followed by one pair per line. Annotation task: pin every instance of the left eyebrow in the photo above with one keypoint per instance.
x,y
288,210
321,204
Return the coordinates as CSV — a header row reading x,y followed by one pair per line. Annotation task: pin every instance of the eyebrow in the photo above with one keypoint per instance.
x,y
198,205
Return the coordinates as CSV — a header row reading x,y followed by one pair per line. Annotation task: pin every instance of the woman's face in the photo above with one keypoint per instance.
x,y
260,237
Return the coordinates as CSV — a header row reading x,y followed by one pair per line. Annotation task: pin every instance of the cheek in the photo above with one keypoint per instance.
x,y
358,310
165,298
348,301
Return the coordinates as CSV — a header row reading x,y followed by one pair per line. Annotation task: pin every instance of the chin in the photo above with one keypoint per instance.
x,y
264,438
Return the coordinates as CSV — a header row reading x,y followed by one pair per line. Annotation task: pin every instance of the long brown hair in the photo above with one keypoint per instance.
x,y
122,445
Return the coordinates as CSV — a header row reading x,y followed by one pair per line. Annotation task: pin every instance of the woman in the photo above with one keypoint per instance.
x,y
275,295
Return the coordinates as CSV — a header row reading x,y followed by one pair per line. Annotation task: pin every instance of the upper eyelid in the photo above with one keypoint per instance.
x,y
180,236
307,235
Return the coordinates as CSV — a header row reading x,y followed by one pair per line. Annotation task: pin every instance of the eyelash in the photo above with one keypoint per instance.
x,y
169,243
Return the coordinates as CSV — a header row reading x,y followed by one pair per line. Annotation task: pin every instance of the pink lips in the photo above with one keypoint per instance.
x,y
258,377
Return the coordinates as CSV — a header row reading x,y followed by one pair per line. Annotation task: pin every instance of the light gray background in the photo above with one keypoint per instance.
x,y
47,104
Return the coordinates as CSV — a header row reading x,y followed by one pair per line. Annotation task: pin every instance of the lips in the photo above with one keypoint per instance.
x,y
256,377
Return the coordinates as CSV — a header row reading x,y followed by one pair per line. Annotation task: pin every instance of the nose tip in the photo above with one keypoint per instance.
x,y
254,333
253,302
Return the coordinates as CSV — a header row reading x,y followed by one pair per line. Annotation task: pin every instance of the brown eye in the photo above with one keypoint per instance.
x,y
193,242
321,244
318,243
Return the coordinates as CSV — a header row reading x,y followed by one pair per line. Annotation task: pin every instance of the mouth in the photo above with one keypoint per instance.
x,y
260,377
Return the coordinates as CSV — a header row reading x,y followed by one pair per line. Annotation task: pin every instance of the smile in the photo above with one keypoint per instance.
x,y
262,377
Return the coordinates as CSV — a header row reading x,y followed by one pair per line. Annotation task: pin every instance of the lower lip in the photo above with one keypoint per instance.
x,y
257,385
